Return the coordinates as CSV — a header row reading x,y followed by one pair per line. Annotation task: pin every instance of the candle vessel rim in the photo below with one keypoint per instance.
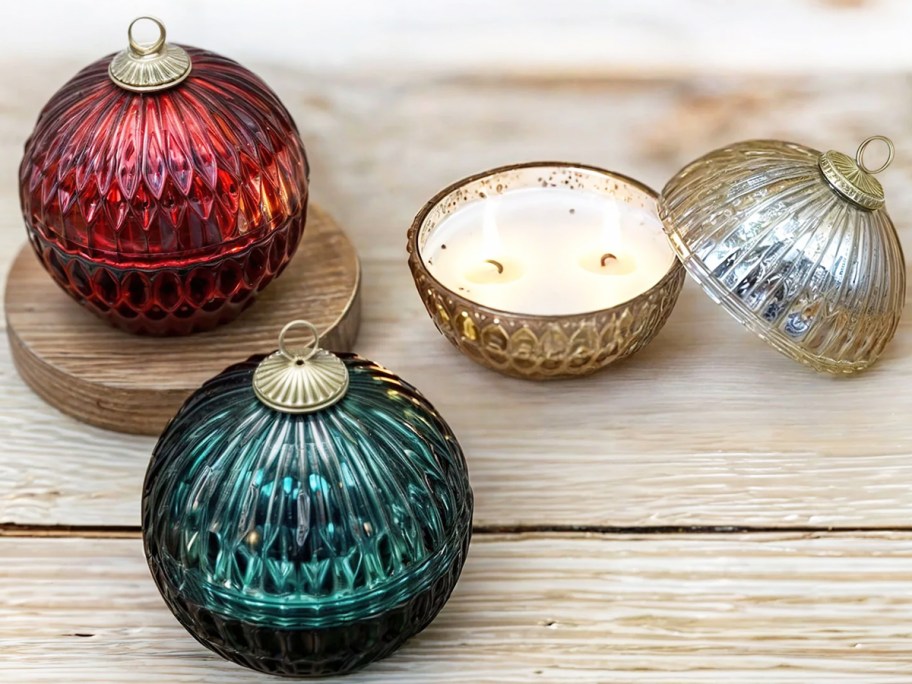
x,y
418,264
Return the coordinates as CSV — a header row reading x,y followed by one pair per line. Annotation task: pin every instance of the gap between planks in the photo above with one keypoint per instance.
x,y
134,531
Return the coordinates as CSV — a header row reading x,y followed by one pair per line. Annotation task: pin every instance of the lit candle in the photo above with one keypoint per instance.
x,y
549,250
545,269
492,267
610,257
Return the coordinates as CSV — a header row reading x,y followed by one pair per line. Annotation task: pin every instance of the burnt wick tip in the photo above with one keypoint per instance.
x,y
495,264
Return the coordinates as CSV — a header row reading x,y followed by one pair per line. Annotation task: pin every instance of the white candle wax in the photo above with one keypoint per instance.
x,y
548,251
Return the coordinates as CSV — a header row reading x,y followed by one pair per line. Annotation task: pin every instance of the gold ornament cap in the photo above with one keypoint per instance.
x,y
852,179
148,67
300,380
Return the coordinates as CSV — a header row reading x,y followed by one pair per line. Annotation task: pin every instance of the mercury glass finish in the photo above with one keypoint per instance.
x,y
540,347
307,544
816,275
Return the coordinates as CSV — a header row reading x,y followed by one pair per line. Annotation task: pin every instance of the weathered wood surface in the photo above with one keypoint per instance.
x,y
647,443
667,609
706,426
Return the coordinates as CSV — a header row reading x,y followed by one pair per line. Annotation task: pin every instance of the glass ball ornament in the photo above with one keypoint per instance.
x,y
305,513
795,244
164,188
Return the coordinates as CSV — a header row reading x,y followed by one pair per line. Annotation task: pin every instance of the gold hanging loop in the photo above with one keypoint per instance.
x,y
149,67
301,380
307,353
143,49
852,179
859,155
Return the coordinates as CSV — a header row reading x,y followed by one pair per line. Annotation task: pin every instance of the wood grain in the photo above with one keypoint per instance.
x,y
670,609
644,444
705,427
135,384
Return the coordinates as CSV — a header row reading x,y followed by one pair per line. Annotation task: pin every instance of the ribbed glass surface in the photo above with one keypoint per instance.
x,y
165,212
818,277
267,527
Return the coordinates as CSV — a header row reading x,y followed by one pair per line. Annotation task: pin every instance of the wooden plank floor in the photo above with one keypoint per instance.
x,y
529,608
747,520
706,414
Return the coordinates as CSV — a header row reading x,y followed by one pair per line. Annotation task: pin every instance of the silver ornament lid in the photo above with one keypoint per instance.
x,y
300,380
794,244
149,67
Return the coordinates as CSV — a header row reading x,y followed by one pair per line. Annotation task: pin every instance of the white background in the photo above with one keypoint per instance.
x,y
665,36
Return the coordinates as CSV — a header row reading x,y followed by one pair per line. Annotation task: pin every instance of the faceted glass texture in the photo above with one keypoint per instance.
x,y
818,277
540,347
307,544
165,212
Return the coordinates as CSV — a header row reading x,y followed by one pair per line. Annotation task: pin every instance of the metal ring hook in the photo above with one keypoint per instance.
x,y
859,155
151,48
312,349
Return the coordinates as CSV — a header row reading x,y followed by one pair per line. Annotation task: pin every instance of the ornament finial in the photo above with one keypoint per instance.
x,y
300,380
852,179
148,67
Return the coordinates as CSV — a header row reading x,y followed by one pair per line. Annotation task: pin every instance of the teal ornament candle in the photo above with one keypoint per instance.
x,y
305,513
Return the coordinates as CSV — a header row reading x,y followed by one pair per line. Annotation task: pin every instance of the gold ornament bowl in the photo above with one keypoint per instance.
x,y
532,346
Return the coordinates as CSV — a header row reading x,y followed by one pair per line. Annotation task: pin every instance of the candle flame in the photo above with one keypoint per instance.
x,y
490,235
612,239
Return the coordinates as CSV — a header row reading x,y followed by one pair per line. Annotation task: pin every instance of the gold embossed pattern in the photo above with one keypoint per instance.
x,y
540,347
844,174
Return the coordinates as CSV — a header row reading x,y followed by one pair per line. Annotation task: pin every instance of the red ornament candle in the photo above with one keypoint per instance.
x,y
164,188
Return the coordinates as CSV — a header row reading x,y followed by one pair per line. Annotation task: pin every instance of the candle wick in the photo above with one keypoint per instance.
x,y
607,256
495,264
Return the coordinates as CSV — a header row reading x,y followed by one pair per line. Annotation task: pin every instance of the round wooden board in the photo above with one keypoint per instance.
x,y
130,383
